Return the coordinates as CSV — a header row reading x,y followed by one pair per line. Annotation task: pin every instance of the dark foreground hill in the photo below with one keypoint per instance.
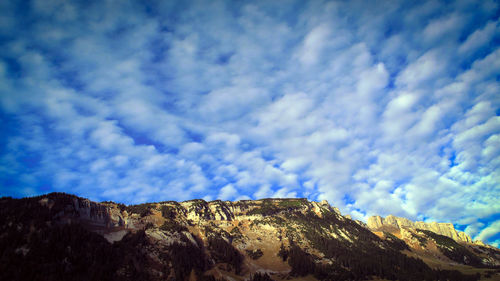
x,y
64,237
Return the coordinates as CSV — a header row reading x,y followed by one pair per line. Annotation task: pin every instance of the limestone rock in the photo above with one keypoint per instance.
x,y
270,225
464,237
324,203
446,229
479,242
375,222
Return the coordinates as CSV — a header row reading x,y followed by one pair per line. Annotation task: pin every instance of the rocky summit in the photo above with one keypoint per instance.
x,y
446,229
64,237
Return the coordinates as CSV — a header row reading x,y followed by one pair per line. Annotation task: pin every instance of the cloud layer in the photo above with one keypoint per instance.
x,y
352,102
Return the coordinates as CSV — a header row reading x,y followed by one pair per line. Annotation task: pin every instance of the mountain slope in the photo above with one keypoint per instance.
x,y
61,236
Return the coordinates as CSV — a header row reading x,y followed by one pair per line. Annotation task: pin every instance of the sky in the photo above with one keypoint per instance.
x,y
379,107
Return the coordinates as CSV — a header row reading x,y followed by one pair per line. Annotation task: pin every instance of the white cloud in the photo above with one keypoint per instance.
x,y
231,103
479,38
422,71
429,122
264,191
399,115
489,231
443,27
313,45
491,148
228,192
294,164
108,136
372,80
222,138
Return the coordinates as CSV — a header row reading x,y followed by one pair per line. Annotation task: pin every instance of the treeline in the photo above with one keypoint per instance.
x,y
185,258
223,252
172,226
141,209
260,277
36,246
452,249
29,209
395,243
70,252
271,207
363,258
255,254
33,246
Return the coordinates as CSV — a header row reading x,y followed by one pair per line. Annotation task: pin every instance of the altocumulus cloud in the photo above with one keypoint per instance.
x,y
381,108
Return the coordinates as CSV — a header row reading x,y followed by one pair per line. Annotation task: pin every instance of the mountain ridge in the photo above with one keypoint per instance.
x,y
446,229
224,240
373,222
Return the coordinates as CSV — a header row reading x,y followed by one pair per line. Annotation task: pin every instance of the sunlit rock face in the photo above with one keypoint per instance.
x,y
446,229
288,239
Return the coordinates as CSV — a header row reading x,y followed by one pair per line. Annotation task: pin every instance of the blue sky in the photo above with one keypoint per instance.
x,y
380,107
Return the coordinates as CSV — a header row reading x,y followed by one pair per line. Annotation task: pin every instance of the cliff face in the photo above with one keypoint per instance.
x,y
71,208
220,240
446,229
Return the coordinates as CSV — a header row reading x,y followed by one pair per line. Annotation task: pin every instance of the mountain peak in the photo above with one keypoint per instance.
x,y
391,221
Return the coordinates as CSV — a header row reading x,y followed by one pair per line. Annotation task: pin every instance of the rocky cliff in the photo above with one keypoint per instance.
x,y
64,237
446,229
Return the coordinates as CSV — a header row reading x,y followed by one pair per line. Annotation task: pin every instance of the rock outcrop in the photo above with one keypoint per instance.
x,y
196,240
72,208
446,229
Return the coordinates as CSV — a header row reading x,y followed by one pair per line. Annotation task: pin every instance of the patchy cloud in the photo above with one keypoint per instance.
x,y
344,101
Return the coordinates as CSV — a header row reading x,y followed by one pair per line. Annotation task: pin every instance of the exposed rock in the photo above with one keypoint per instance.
x,y
446,229
464,237
163,237
115,236
479,242
221,210
324,203
375,222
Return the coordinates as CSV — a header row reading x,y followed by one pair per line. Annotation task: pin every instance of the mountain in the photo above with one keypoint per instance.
x,y
64,237
446,229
